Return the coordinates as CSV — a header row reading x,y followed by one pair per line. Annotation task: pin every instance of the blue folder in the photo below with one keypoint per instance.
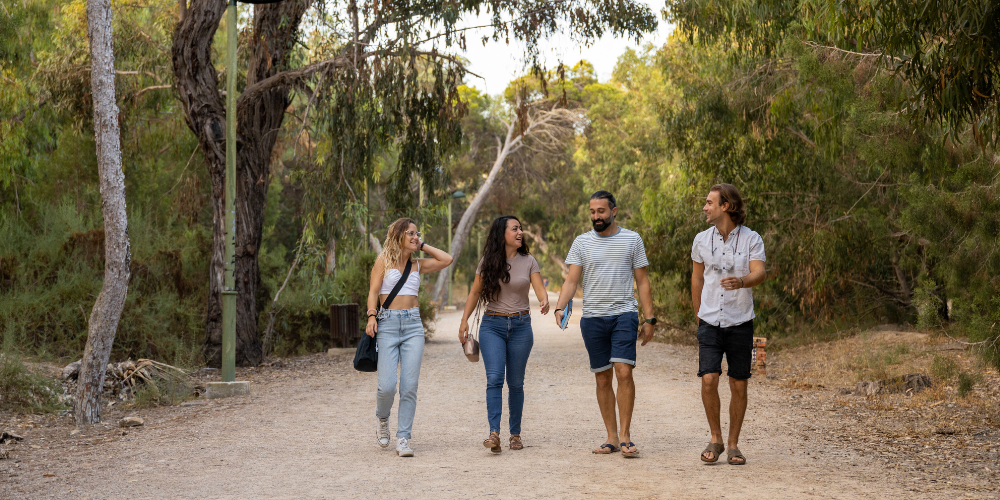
x,y
567,312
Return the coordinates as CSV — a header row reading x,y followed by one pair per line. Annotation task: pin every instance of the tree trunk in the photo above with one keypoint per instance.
x,y
372,240
108,307
904,285
535,233
205,114
258,122
469,216
331,256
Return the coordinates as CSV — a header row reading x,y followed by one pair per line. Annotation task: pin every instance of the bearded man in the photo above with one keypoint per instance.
x,y
609,260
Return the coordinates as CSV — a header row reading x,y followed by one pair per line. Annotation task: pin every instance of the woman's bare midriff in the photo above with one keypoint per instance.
x,y
401,301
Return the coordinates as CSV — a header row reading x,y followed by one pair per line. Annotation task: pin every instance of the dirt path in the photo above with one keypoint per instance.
x,y
308,432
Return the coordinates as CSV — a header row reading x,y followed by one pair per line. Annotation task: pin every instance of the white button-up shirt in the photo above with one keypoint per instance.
x,y
720,307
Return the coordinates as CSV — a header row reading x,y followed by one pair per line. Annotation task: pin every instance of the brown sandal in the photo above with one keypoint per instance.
x,y
493,442
715,449
515,442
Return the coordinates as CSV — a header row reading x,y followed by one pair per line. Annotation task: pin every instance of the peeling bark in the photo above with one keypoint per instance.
x,y
259,118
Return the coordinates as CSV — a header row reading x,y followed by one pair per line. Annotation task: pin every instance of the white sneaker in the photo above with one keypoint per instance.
x,y
403,448
382,432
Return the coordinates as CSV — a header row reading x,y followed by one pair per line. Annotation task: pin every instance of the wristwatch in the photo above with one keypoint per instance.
x,y
422,243
651,321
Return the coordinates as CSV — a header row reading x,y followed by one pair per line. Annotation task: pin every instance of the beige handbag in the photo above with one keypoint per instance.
x,y
471,342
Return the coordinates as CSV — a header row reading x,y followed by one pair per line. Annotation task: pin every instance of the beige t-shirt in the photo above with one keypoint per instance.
x,y
513,296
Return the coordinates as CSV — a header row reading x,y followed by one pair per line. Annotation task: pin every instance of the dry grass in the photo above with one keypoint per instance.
x,y
955,423
872,355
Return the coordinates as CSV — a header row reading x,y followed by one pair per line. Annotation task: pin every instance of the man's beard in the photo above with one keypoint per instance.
x,y
601,224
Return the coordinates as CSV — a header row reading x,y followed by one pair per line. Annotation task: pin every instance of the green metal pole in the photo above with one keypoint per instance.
x,y
368,216
447,290
229,292
423,227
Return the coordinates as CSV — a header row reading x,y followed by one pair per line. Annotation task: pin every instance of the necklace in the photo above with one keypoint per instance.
x,y
739,230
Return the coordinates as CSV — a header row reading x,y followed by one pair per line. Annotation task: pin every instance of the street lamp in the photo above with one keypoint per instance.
x,y
229,385
447,292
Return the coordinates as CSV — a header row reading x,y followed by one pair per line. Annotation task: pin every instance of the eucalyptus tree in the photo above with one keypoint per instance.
x,y
110,302
914,223
948,52
374,70
543,125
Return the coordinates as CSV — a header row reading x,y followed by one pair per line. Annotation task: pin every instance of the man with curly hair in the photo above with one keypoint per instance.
x,y
728,260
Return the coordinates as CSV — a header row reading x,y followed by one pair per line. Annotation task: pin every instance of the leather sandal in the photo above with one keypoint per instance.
x,y
493,442
734,454
715,449
515,442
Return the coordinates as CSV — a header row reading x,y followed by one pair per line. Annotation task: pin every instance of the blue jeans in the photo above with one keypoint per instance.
x,y
505,344
400,342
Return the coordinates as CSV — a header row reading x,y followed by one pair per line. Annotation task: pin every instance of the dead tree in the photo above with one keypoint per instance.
x,y
543,127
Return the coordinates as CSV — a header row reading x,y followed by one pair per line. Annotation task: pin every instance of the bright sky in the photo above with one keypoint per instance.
x,y
499,63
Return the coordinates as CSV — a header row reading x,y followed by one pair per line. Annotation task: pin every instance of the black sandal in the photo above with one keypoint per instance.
x,y
605,449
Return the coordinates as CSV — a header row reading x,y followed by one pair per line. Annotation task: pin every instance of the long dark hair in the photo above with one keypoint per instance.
x,y
495,268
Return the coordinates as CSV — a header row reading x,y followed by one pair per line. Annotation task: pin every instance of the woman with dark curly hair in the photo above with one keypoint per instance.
x,y
504,275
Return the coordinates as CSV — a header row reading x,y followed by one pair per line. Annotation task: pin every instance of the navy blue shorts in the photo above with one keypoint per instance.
x,y
610,339
736,342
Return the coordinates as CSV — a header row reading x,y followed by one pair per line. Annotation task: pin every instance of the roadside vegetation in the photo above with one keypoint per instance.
x,y
870,216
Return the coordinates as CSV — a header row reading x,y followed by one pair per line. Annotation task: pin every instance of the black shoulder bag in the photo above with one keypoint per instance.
x,y
366,357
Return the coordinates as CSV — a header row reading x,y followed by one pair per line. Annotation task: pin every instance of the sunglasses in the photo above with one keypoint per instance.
x,y
414,233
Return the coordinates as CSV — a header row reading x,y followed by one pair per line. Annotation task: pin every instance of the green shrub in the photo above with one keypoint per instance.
x,y
875,363
966,382
944,368
51,270
23,391
927,304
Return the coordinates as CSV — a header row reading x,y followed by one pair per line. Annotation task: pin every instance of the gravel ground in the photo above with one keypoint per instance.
x,y
308,432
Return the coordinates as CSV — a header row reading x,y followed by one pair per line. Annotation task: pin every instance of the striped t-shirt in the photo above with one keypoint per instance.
x,y
607,263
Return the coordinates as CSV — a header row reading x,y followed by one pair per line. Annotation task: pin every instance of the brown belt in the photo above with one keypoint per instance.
x,y
507,315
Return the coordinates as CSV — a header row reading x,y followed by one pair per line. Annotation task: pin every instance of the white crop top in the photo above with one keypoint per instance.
x,y
411,287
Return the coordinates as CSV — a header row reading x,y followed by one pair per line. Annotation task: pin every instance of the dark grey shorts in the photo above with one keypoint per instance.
x,y
735,342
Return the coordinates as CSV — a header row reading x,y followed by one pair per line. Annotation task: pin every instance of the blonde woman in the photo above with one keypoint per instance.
x,y
398,332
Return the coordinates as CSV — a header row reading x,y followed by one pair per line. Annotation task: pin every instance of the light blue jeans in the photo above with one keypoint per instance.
x,y
505,344
400,343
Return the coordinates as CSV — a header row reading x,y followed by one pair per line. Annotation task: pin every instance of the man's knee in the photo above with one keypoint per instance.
x,y
604,379
623,371
710,380
738,387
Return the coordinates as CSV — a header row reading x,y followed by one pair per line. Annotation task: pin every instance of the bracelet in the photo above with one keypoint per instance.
x,y
422,243
370,310
741,283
